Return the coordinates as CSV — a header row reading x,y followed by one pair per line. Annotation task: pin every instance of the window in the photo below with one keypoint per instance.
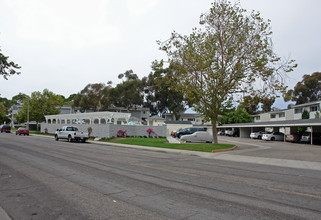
x,y
273,115
298,110
314,108
282,115
257,118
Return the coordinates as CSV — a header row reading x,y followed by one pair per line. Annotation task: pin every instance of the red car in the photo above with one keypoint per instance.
x,y
23,131
5,128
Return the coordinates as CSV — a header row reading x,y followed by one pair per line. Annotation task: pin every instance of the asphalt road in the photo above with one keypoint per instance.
x,y
44,179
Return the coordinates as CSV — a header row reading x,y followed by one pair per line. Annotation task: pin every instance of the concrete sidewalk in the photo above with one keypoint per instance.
x,y
172,140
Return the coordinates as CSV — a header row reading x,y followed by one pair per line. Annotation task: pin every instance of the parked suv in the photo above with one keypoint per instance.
x,y
188,131
306,138
5,128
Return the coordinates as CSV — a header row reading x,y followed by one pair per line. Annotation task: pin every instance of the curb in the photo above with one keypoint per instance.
x,y
4,215
224,150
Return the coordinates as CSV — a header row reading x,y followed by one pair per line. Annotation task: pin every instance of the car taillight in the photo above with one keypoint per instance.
x,y
75,133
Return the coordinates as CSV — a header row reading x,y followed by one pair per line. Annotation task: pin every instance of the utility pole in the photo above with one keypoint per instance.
x,y
28,115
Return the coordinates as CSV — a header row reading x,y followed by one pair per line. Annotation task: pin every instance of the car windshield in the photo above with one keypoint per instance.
x,y
72,129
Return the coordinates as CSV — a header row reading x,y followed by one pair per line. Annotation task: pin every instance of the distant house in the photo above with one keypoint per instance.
x,y
13,111
193,118
135,121
155,121
138,112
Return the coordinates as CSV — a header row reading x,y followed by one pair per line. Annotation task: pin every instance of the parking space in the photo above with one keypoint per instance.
x,y
274,149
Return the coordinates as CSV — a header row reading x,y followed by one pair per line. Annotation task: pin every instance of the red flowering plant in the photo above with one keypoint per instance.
x,y
150,131
121,133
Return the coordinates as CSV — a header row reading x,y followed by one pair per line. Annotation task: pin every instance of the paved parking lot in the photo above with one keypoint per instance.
x,y
274,149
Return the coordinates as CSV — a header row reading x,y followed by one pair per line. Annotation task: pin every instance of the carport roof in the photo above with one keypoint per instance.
x,y
288,123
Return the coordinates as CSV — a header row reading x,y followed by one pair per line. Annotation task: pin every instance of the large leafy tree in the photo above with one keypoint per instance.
x,y
307,90
230,53
93,97
267,103
250,104
128,93
240,115
5,104
161,91
7,68
19,98
3,114
40,104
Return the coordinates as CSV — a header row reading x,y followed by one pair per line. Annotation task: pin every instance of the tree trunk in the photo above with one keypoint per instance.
x,y
174,116
214,132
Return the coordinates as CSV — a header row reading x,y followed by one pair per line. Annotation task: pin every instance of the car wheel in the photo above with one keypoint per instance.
x,y
259,137
69,139
272,138
56,138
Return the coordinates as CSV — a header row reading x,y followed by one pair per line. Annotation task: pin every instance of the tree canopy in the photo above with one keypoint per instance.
x,y
3,114
40,104
307,90
161,91
7,68
232,52
240,115
129,93
93,97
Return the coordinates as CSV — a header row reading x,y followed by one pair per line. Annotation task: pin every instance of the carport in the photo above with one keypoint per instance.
x,y
290,126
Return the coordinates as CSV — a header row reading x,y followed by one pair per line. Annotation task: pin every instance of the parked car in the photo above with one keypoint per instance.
x,y
236,132
199,136
221,133
257,135
23,131
306,138
71,134
233,133
274,136
295,137
186,131
229,132
5,128
173,133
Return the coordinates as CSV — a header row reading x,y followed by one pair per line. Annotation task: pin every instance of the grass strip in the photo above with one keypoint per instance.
x,y
163,143
39,133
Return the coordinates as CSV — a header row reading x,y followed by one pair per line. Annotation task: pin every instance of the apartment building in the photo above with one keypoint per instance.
x,y
293,113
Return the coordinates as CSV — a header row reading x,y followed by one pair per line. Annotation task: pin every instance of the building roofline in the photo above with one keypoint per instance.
x,y
307,104
287,123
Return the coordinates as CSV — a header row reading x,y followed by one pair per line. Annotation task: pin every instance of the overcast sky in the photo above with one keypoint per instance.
x,y
63,45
